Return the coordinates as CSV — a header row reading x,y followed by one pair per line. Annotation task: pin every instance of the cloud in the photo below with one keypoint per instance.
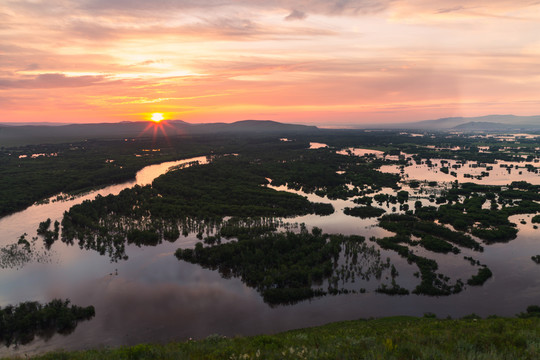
x,y
461,9
169,9
45,81
448,10
148,62
243,29
31,67
106,22
213,28
326,7
232,26
92,30
296,15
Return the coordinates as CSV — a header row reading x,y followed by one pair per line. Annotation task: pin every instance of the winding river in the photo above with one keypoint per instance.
x,y
153,297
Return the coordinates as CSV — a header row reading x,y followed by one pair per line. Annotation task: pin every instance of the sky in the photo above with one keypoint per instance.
x,y
333,63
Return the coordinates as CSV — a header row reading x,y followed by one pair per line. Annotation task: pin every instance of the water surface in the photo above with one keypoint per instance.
x,y
153,297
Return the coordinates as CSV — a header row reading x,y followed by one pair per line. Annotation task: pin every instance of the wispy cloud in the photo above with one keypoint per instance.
x,y
465,9
296,15
449,10
325,7
47,81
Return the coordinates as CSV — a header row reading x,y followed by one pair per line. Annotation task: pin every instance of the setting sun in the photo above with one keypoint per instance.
x,y
157,117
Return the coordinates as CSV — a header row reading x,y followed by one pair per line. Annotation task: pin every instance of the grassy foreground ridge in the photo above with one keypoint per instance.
x,y
385,338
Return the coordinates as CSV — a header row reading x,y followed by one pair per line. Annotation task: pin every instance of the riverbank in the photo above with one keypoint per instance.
x,y
384,338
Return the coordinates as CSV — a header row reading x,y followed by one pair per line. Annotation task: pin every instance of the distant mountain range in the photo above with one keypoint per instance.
x,y
480,123
44,123
492,126
11,135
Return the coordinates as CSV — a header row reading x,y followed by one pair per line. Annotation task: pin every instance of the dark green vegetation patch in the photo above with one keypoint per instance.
x,y
434,236
431,282
228,186
283,267
206,193
78,167
491,225
364,211
481,277
22,323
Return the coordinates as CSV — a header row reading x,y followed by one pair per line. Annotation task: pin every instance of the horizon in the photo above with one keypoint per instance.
x,y
323,63
322,126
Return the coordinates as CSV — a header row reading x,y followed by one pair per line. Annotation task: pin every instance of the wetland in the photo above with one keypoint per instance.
x,y
258,235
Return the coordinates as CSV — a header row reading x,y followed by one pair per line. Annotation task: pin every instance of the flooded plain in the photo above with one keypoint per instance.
x,y
153,297
500,173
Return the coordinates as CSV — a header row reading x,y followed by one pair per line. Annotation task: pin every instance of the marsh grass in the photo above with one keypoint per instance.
x,y
386,338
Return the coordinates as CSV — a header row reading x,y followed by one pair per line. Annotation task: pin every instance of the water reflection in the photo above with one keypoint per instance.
x,y
28,220
153,297
361,152
20,253
501,173
30,319
316,145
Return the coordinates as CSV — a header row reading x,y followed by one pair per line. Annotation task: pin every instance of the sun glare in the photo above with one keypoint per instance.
x,y
157,117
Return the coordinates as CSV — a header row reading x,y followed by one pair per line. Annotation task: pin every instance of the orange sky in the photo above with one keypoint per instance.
x,y
320,62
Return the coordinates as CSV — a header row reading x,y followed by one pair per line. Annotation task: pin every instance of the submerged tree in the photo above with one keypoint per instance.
x,y
20,324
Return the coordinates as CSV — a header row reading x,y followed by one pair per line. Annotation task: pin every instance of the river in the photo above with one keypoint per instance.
x,y
153,297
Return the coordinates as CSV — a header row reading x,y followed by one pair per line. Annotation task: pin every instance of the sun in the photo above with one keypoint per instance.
x,y
157,117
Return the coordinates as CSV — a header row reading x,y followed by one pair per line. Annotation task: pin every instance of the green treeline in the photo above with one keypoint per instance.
x,y
489,224
464,147
49,236
242,229
20,324
225,187
434,237
394,289
283,267
431,283
436,244
364,211
228,186
81,166
322,171
481,277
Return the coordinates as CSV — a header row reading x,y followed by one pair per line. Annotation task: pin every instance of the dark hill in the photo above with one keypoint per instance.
x,y
512,121
493,126
253,126
35,134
